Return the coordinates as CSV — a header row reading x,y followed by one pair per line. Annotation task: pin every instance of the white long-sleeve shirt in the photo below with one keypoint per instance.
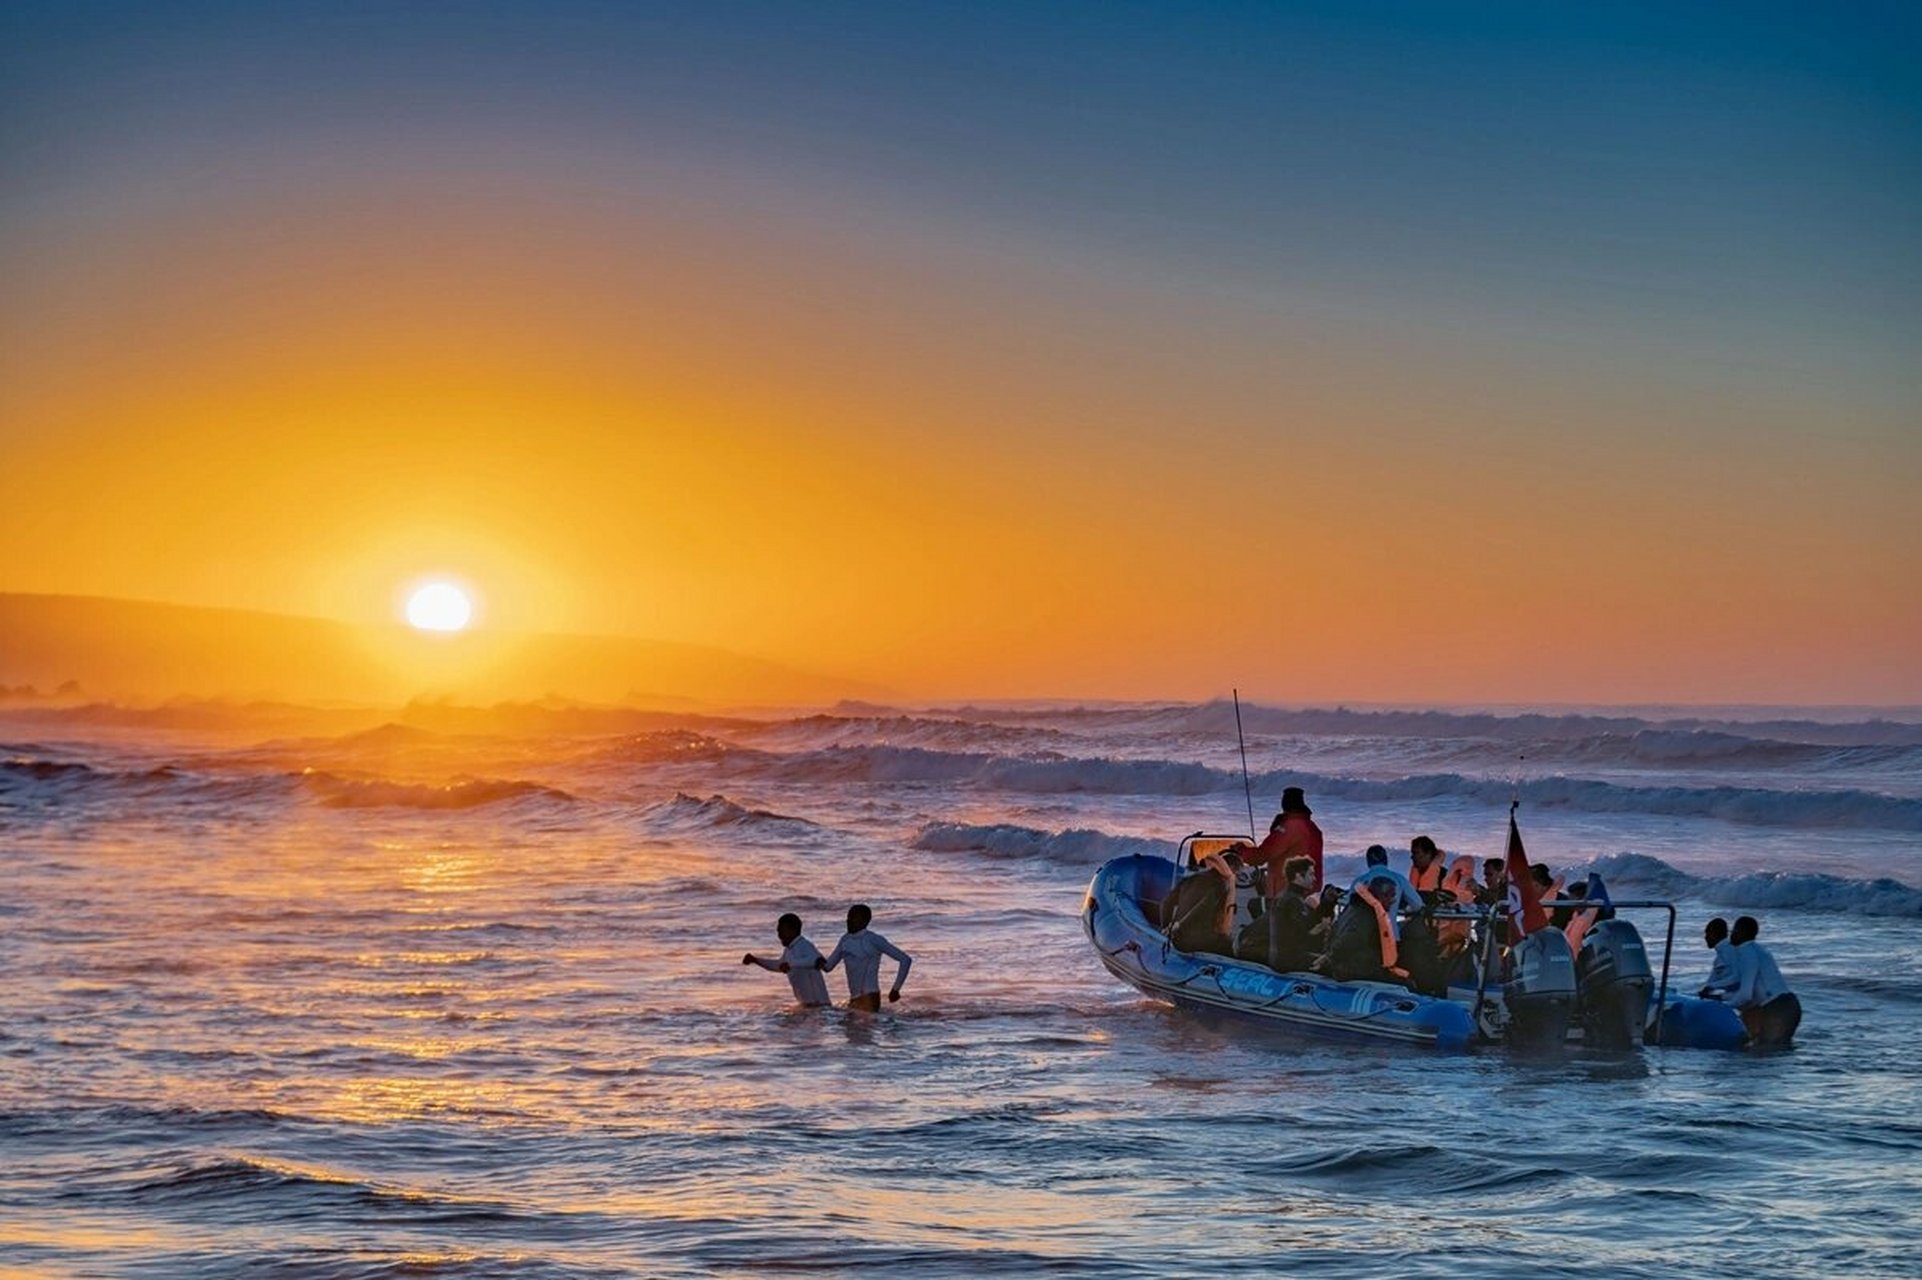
x,y
810,987
1757,980
863,951
1725,973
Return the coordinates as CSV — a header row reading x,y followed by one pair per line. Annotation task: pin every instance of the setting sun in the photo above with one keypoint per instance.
x,y
439,606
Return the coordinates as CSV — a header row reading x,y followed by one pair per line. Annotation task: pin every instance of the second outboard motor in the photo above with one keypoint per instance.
x,y
1540,994
1615,981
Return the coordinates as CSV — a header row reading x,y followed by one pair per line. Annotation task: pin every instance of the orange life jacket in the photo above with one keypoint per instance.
x,y
1385,930
1459,883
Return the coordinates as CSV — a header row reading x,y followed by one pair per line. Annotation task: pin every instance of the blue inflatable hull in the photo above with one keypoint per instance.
x,y
1137,952
1690,1022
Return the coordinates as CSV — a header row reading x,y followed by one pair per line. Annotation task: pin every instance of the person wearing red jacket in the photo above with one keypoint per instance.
x,y
1293,834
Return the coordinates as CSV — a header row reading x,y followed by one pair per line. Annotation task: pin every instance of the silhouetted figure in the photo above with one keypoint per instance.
x,y
862,948
1769,1009
1361,947
1722,976
1202,907
800,961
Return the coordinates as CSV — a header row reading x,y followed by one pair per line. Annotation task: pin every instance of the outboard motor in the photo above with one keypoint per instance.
x,y
1615,981
1540,993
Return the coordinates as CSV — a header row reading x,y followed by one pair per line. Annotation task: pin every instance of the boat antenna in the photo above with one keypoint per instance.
x,y
1247,788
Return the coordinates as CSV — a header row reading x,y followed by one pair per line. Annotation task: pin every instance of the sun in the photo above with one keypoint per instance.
x,y
439,606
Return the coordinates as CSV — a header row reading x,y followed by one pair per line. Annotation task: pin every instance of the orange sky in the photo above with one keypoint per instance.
x,y
856,430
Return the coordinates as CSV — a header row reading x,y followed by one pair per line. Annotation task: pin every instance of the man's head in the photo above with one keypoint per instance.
x,y
859,917
1376,856
1423,850
1715,933
787,928
1745,930
1384,890
1299,872
1539,873
1494,871
1292,801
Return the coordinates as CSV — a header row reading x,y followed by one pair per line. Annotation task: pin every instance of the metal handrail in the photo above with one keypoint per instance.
x,y
1182,858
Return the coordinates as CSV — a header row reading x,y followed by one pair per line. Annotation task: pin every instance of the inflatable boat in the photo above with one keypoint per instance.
x,y
1606,997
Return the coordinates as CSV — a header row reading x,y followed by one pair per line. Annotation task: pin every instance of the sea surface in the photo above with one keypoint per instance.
x,y
461,994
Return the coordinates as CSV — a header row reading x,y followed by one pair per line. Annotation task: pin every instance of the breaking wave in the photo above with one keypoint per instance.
x,y
1077,846
665,746
64,781
1050,774
1217,720
464,793
932,732
685,812
1704,748
1761,890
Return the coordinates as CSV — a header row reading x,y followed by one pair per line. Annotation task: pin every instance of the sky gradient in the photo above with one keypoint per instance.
x,y
1387,352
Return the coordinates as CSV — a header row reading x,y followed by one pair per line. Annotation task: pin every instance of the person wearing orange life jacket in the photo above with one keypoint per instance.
x,y
1458,889
1362,947
1293,834
1579,920
1201,911
1425,865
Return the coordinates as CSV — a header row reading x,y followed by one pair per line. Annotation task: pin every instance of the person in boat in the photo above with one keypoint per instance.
x,y
1768,1008
1579,919
1418,954
1494,890
1293,834
1376,864
1201,911
862,949
1425,865
1287,935
1361,946
800,961
1457,890
1722,976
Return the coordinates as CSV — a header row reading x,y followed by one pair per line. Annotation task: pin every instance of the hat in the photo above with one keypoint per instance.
x,y
1292,801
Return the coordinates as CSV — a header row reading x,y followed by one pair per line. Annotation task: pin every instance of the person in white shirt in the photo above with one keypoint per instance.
x,y
862,948
800,961
1770,1010
1722,975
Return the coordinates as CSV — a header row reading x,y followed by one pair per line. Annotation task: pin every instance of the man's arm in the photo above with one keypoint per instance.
x,y
771,966
834,958
902,959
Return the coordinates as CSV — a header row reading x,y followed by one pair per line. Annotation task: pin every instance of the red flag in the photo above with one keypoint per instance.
x,y
1524,903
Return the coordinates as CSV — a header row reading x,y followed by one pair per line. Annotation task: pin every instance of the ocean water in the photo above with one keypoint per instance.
x,y
462,995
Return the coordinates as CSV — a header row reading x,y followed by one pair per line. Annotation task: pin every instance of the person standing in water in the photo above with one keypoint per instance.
x,y
862,948
1768,1008
1723,976
800,961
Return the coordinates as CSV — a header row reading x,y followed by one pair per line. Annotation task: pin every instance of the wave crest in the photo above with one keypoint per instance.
x,y
1052,774
1078,846
717,812
1762,890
